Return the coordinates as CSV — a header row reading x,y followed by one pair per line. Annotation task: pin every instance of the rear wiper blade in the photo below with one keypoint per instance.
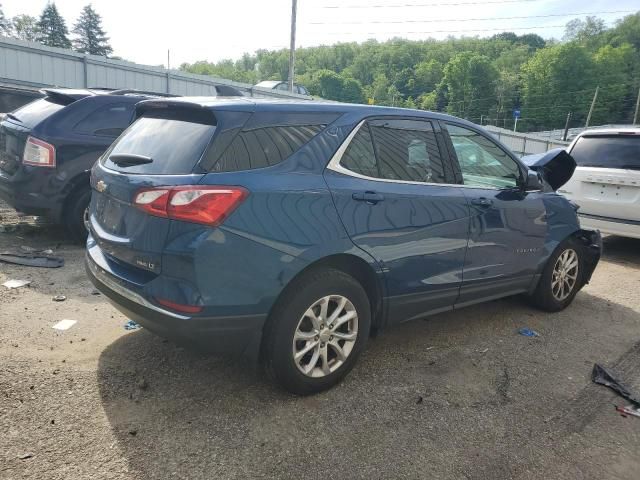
x,y
129,159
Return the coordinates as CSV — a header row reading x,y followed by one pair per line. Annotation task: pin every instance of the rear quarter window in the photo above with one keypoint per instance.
x,y
174,141
269,139
619,151
108,120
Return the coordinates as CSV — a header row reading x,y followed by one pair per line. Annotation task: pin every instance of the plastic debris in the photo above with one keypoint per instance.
x,y
629,410
606,377
59,298
131,325
65,324
31,260
24,456
527,332
16,283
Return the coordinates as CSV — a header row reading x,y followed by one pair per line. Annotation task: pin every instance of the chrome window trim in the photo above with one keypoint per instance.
x,y
335,165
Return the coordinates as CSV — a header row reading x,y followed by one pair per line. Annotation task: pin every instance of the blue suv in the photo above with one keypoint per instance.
x,y
290,231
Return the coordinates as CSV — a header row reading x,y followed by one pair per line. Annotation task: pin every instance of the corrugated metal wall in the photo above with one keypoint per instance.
x,y
27,64
524,144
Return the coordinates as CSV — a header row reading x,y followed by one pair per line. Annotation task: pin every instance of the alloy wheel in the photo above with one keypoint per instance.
x,y
325,336
565,274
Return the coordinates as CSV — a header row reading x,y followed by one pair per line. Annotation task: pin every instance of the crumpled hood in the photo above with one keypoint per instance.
x,y
556,166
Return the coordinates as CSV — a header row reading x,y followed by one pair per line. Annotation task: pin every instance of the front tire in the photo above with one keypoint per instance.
x,y
316,331
561,278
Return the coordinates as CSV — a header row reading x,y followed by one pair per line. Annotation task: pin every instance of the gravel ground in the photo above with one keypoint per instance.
x,y
459,395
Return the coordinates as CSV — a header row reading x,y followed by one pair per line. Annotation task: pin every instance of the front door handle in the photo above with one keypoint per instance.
x,y
370,197
482,202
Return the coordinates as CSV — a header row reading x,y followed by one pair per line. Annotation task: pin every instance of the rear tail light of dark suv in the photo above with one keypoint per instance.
x,y
39,153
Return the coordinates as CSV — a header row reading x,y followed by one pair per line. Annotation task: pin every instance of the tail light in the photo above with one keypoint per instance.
x,y
39,153
192,203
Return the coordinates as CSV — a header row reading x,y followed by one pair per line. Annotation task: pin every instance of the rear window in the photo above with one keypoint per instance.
x,y
173,141
620,151
33,113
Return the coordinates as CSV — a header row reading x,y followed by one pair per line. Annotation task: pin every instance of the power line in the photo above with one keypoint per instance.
x,y
469,19
540,27
404,5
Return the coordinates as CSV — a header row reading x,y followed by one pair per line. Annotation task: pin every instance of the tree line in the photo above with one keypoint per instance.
x,y
481,79
51,30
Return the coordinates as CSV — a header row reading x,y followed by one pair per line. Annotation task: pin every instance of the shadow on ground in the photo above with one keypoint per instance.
x,y
458,395
621,250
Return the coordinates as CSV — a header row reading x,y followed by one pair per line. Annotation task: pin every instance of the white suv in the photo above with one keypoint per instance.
x,y
606,183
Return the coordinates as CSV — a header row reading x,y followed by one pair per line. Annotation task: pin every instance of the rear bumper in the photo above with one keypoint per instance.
x,y
231,335
25,195
612,226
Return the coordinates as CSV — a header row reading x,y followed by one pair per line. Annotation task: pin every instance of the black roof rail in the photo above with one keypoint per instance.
x,y
125,91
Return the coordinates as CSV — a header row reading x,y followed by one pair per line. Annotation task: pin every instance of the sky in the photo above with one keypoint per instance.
x,y
142,31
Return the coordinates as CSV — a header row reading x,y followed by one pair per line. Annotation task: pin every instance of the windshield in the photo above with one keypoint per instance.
x,y
619,151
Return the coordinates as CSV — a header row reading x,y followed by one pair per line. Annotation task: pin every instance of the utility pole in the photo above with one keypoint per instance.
x,y
635,115
593,104
566,127
292,49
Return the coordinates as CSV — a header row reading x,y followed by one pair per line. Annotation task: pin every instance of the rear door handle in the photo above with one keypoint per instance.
x,y
370,197
482,202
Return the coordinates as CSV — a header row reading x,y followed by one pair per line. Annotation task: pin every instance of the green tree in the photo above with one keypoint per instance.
x,y
334,86
587,32
52,29
90,37
557,80
470,80
5,24
616,68
627,30
25,28
426,77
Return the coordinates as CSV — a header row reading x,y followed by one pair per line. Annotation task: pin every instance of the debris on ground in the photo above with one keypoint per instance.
x,y
143,384
608,378
32,259
65,324
628,410
59,298
25,456
527,332
95,292
31,250
131,325
10,284
483,351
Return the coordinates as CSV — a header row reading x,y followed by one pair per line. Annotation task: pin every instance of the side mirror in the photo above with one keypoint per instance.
x,y
533,181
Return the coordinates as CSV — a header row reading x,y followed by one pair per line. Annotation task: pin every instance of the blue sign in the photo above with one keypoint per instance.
x,y
516,113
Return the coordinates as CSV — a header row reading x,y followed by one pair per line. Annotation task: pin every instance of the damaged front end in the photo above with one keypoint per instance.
x,y
555,166
592,241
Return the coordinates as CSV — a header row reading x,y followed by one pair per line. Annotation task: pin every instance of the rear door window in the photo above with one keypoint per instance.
x,y
108,120
174,141
619,151
35,112
407,150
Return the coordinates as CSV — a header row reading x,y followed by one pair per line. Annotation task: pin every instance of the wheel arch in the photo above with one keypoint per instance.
x,y
354,266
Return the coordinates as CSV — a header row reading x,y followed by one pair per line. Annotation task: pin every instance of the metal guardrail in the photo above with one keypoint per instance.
x,y
34,66
523,143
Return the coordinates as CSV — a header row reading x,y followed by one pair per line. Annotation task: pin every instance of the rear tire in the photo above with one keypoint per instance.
x,y
561,278
316,331
76,214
